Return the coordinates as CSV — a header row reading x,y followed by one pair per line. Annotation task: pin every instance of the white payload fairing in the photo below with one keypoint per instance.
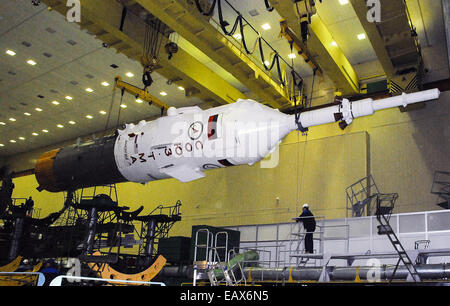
x,y
190,140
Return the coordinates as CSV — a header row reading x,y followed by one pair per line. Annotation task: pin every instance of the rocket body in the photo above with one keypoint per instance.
x,y
189,140
180,145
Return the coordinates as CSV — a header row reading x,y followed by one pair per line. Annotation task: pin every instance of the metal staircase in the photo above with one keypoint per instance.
x,y
385,205
360,195
296,247
213,259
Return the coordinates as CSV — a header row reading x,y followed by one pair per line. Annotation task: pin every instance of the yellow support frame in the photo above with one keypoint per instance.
x,y
184,18
139,93
328,57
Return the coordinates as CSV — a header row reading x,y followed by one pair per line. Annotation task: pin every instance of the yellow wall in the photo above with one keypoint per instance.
x,y
315,171
401,150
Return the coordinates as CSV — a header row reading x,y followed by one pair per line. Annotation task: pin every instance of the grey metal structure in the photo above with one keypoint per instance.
x,y
424,236
335,273
360,195
385,205
58,281
297,237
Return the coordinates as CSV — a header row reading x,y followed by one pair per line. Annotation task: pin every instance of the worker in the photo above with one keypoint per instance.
x,y
309,223
29,203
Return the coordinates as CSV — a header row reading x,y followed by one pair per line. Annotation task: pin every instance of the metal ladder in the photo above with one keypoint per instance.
x,y
231,274
212,260
383,214
296,238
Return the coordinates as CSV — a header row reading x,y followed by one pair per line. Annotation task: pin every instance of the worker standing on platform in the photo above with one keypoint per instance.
x,y
309,223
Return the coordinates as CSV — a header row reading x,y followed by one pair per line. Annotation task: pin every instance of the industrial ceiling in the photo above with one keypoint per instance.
x,y
57,77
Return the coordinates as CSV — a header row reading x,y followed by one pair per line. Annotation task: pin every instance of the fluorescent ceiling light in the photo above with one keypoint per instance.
x,y
180,87
343,2
27,114
361,36
31,62
89,89
163,93
72,122
129,74
55,102
2,145
105,84
292,55
12,141
12,119
38,109
22,138
2,123
60,126
123,106
139,100
45,131
68,98
10,52
102,112
266,26
35,134
89,116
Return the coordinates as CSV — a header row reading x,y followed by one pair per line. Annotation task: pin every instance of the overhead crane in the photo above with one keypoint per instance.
x,y
139,93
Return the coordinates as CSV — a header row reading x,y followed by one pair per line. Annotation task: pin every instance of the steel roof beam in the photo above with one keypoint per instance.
x,y
187,21
103,17
374,36
329,58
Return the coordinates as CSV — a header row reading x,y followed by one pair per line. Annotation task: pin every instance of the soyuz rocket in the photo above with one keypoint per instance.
x,y
190,140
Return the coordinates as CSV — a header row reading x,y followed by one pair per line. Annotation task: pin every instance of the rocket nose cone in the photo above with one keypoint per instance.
x,y
282,127
284,124
291,122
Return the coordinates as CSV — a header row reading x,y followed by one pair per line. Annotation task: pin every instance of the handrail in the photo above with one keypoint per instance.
x,y
57,281
173,210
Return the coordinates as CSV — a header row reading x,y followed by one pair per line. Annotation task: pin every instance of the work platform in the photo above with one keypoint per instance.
x,y
349,247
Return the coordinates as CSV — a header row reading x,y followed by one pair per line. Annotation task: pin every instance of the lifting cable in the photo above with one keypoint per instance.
x,y
296,78
110,110
111,106
268,6
120,107
153,39
299,86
